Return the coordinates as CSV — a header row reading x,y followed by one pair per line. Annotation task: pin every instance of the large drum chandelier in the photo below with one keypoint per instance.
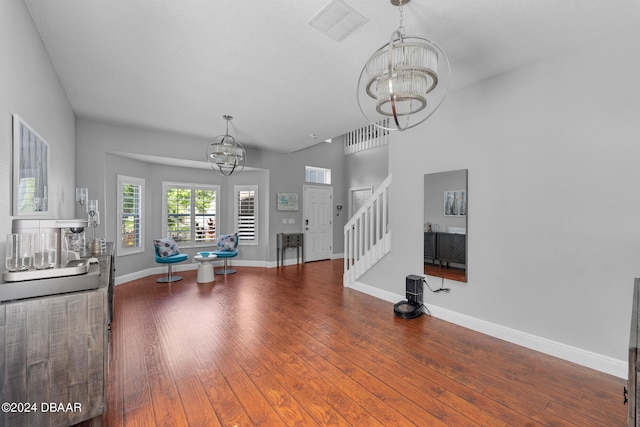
x,y
406,80
225,154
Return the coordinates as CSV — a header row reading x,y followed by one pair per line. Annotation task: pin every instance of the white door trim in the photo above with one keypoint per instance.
x,y
304,216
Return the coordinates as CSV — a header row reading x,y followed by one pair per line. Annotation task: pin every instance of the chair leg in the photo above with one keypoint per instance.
x,y
225,270
170,277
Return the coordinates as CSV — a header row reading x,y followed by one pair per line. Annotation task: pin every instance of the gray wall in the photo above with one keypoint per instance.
x,y
117,165
551,150
103,151
367,168
29,87
554,217
291,175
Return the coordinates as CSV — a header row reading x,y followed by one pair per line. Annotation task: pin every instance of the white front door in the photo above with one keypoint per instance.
x,y
317,222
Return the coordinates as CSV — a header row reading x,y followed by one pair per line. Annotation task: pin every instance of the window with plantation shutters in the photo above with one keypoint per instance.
x,y
190,213
246,213
130,230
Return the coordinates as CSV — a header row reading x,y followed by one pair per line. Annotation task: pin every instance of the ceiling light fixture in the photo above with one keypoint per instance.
x,y
226,155
406,79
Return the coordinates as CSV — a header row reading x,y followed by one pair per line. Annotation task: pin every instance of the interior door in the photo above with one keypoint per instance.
x,y
318,222
359,196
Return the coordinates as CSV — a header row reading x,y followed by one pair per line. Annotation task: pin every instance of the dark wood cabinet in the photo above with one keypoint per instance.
x,y
445,247
451,248
429,246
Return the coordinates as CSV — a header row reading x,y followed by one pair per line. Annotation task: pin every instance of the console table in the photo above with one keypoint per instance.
x,y
445,247
290,240
54,354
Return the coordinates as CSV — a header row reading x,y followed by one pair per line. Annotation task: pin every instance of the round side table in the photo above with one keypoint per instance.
x,y
205,269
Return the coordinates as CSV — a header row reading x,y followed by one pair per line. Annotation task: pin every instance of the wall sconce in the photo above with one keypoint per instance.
x,y
339,208
94,222
82,194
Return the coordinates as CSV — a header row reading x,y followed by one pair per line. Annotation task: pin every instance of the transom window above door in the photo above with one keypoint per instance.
x,y
317,175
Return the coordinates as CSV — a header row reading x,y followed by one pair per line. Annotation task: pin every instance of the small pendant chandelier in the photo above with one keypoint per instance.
x,y
226,155
406,80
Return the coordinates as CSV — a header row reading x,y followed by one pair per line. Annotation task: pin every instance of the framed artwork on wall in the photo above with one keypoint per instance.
x,y
30,178
455,203
287,201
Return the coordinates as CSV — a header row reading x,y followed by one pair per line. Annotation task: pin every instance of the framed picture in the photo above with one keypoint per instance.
x,y
287,201
455,203
30,170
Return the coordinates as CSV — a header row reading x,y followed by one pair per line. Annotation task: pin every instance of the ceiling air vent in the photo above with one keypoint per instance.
x,y
338,20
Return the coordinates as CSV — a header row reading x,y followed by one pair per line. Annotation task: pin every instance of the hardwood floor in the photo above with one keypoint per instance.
x,y
291,346
452,273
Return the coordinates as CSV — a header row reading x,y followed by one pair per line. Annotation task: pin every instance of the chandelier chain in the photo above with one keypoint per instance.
x,y
228,118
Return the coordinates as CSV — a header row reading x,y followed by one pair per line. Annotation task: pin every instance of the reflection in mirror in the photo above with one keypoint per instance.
x,y
445,224
30,170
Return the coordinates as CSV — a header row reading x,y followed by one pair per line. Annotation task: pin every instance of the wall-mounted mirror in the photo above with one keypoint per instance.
x,y
445,224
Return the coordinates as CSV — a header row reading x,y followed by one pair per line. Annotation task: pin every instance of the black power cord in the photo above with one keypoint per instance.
x,y
440,289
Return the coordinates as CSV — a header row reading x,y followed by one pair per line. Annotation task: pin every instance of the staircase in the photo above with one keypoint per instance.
x,y
367,237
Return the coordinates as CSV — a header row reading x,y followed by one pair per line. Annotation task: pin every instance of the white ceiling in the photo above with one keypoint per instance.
x,y
179,65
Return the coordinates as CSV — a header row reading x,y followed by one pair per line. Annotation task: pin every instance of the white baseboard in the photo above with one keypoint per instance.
x,y
285,262
599,362
154,270
160,269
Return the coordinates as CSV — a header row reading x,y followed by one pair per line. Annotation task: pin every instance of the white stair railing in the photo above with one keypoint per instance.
x,y
367,237
365,138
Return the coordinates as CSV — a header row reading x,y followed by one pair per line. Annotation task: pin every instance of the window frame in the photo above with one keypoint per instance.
x,y
191,243
256,213
311,169
125,250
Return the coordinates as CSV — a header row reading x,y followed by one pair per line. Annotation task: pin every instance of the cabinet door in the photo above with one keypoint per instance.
x,y
459,252
452,247
55,350
429,246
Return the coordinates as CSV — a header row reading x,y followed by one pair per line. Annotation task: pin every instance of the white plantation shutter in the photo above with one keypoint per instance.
x,y
246,213
130,229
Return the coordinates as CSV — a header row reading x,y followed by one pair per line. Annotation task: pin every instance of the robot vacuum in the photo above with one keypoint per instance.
x,y
407,309
413,307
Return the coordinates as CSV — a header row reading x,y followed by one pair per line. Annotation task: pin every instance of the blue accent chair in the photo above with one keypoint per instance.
x,y
225,255
169,260
227,247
